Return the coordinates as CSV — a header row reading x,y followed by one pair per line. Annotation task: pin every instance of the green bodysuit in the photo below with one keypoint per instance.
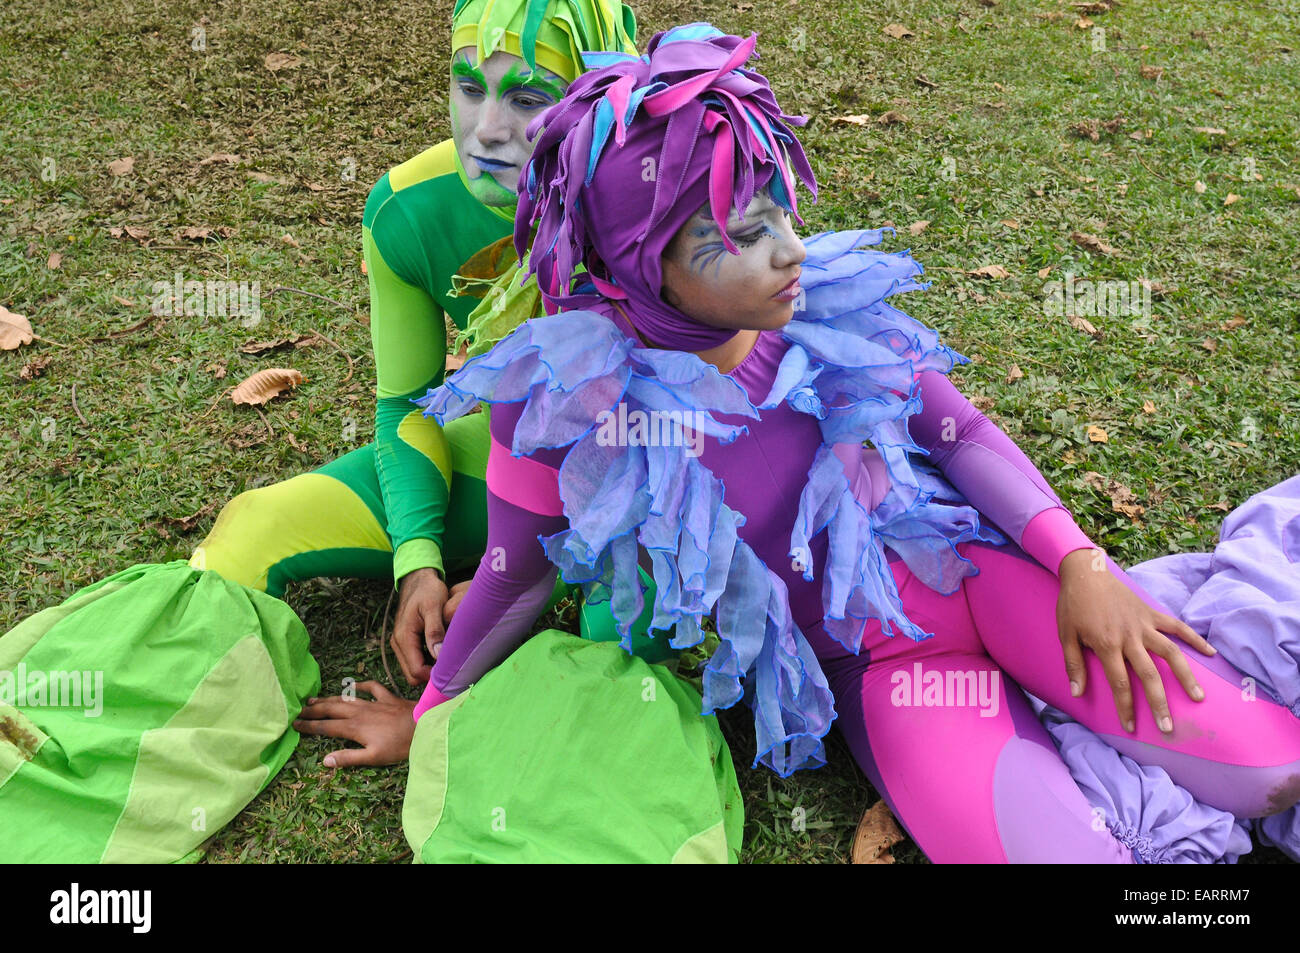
x,y
415,497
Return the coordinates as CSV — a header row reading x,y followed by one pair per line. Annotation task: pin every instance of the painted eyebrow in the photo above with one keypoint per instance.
x,y
514,79
702,224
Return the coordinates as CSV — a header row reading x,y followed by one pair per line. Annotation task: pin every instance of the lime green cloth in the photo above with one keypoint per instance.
x,y
572,751
168,700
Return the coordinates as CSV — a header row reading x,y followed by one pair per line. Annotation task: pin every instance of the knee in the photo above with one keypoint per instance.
x,y
237,539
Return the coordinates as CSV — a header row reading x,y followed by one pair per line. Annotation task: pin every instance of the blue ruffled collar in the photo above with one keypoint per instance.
x,y
852,363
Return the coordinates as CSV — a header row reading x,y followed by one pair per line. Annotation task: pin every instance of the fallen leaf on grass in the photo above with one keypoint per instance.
x,y
990,271
1091,242
314,186
217,369
34,369
187,523
1015,373
195,232
54,261
893,118
1084,325
1148,407
122,166
859,120
1210,130
1122,499
1097,434
278,61
265,385
876,833
1044,272
261,347
1152,72
1009,222
289,240
1082,23
1231,197
916,228
227,157
1210,345
124,302
1199,187
15,330
1233,323
1222,505
981,403
897,31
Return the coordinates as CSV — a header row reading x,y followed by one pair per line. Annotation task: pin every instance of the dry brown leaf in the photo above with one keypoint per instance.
x,y
916,228
262,177
1233,323
1044,272
1015,373
876,833
860,120
15,330
1231,197
1009,222
54,261
1148,407
893,118
1210,345
1152,72
1082,23
266,384
278,61
1091,242
981,403
217,369
261,347
1199,187
363,267
990,271
1210,130
1087,129
34,368
187,523
289,240
314,186
1097,434
122,166
1084,325
897,31
195,232
1222,505
227,157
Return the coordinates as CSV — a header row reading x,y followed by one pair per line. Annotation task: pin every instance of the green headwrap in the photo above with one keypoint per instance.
x,y
552,34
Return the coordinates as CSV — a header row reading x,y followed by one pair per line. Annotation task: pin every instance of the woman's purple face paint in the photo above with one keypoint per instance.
x,y
755,289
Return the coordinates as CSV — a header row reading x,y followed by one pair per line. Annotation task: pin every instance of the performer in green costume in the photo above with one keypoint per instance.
x,y
412,503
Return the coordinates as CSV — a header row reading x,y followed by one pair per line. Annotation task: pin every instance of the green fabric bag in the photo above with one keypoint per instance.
x,y
572,751
177,692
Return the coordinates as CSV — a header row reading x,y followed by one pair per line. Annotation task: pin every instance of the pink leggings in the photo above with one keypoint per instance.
x,y
944,733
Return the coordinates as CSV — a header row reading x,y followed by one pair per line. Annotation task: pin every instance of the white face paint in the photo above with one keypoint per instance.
x,y
755,289
491,107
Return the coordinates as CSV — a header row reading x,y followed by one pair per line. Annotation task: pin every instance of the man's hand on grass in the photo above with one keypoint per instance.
x,y
383,727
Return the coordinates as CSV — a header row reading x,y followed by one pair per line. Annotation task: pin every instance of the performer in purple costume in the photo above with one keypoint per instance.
x,y
702,409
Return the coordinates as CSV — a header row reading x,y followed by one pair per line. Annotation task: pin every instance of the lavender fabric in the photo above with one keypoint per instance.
x,y
1245,599
633,150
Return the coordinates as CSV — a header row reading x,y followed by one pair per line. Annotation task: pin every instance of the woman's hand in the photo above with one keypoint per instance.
x,y
1097,610
383,727
419,625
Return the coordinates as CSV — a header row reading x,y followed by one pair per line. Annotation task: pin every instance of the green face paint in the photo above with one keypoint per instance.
x,y
491,107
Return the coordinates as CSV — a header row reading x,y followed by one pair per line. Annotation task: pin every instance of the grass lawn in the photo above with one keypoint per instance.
x,y
1166,131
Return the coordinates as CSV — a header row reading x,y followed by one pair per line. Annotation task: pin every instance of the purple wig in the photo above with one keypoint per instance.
x,y
707,130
